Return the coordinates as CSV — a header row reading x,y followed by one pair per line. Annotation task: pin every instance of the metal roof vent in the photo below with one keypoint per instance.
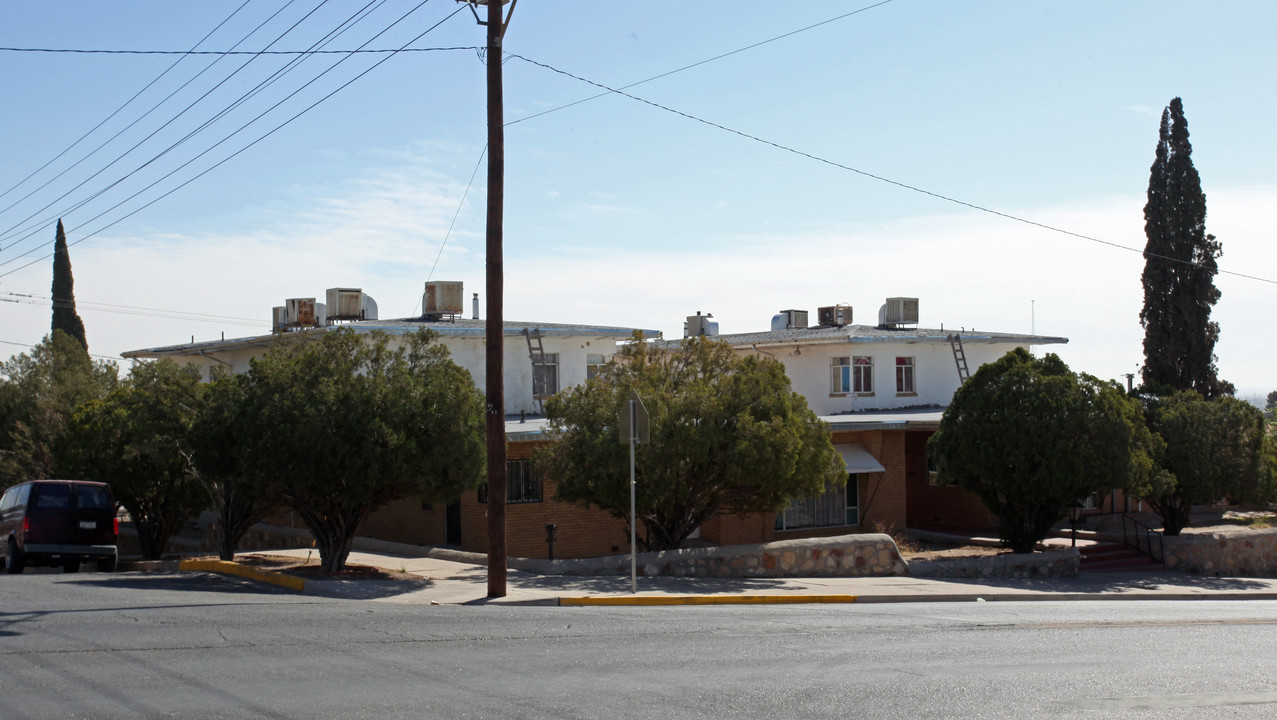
x,y
699,324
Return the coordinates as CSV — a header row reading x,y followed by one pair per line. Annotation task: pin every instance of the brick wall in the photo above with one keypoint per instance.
x,y
933,507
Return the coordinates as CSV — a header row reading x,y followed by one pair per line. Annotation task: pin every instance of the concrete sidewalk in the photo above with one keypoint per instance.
x,y
452,578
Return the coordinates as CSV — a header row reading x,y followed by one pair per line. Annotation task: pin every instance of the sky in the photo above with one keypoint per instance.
x,y
989,157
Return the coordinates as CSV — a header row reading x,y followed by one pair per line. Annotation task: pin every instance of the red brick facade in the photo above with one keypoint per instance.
x,y
586,532
938,508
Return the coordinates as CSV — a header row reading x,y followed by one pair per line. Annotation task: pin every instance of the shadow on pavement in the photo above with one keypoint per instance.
x,y
1119,582
367,589
184,582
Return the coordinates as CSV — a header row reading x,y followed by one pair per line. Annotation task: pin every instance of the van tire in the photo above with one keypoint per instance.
x,y
13,563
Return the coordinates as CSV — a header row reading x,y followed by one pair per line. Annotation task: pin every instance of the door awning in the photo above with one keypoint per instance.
x,y
858,459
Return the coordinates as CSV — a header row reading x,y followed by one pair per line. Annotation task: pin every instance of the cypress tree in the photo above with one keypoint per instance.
x,y
65,317
1179,270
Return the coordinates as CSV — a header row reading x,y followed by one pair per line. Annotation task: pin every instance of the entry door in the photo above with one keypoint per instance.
x,y
452,523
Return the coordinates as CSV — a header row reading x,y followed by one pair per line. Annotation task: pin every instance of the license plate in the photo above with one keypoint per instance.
x,y
88,525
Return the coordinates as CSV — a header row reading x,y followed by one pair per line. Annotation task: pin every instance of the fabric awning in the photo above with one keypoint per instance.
x,y
858,459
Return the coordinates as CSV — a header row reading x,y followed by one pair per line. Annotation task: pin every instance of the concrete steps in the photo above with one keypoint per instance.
x,y
1114,557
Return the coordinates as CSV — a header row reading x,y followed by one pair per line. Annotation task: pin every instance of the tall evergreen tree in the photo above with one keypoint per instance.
x,y
65,317
1179,270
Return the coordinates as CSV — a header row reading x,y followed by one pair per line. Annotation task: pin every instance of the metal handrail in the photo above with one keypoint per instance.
x,y
1131,529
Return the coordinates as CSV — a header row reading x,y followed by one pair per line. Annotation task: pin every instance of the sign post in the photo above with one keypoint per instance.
x,y
635,428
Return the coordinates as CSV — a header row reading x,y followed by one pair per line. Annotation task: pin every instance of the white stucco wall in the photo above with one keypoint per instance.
x,y
935,373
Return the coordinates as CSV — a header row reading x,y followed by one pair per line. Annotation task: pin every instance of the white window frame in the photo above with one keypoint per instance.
x,y
906,378
839,375
862,375
545,376
823,510
594,363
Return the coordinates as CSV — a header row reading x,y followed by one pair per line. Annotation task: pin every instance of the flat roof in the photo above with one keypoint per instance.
x,y
831,334
460,327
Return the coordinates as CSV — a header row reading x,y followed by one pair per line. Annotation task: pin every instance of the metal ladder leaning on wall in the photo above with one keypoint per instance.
x,y
536,353
959,357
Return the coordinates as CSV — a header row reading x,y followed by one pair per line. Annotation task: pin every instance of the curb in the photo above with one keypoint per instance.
x,y
706,600
234,568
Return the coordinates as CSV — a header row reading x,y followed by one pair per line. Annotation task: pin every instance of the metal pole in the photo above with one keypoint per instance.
x,y
633,514
494,330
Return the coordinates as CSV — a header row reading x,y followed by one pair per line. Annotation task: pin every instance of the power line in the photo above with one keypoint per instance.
x,y
126,104
238,152
380,51
889,181
244,126
29,345
706,61
170,121
26,299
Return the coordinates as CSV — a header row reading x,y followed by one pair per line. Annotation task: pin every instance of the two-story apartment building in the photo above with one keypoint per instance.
x,y
882,389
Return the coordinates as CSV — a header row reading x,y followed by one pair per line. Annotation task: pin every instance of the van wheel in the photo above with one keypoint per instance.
x,y
71,566
107,564
13,558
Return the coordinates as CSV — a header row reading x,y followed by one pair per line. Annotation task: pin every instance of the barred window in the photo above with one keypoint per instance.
x,y
522,485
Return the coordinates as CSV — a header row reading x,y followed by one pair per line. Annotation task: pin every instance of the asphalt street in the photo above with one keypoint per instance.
x,y
198,645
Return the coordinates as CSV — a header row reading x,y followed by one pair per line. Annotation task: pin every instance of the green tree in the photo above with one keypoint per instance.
x,y
65,317
39,391
1030,436
343,424
218,439
136,440
1213,450
1179,270
727,434
1271,406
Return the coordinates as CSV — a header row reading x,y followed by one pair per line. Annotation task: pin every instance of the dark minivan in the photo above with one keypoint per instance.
x,y
58,522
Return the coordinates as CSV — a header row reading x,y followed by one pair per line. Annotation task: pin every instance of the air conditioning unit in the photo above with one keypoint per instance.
x,y
699,324
344,303
278,318
443,298
901,311
790,320
834,315
299,312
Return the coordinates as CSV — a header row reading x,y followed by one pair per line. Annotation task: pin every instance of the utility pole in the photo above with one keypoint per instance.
x,y
494,330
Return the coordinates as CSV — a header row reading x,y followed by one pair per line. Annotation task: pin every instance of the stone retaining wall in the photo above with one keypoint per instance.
x,y
1250,553
1053,563
864,555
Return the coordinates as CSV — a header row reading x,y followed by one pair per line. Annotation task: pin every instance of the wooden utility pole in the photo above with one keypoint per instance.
x,y
495,328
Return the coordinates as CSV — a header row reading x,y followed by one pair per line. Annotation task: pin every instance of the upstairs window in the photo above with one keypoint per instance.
x,y
840,376
594,365
863,375
545,376
904,376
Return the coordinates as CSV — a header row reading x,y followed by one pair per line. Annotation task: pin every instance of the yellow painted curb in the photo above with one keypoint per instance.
x,y
244,571
707,600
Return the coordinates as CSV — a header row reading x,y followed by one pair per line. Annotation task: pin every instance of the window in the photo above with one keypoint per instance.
x,y
840,376
835,507
933,475
904,376
863,375
545,375
522,485
594,365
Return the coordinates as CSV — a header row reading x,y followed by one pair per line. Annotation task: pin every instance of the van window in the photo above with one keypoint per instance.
x,y
9,500
54,495
93,497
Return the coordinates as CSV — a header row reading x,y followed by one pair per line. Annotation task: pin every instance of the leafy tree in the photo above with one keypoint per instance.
x,y
727,434
1271,406
135,440
1179,270
65,317
343,424
39,391
1030,436
218,438
1213,450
